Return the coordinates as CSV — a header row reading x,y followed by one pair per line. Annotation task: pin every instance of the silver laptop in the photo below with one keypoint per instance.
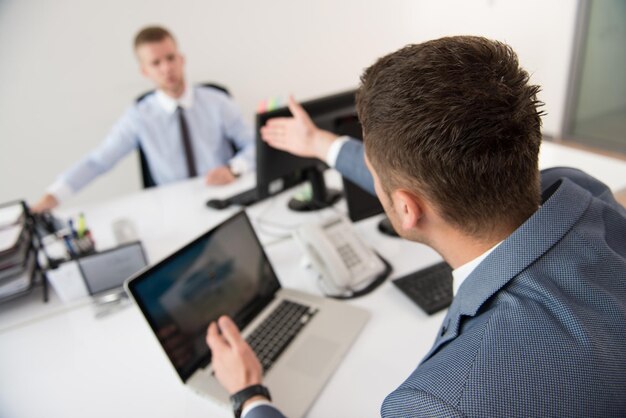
x,y
299,338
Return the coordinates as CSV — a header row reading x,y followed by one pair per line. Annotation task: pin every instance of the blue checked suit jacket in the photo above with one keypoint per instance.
x,y
538,329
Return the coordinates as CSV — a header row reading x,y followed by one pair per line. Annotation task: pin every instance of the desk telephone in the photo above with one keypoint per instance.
x,y
345,264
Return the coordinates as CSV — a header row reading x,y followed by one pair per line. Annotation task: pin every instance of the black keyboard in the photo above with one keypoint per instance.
x,y
245,198
430,288
279,329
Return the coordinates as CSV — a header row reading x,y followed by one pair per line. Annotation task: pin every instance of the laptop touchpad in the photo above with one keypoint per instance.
x,y
313,355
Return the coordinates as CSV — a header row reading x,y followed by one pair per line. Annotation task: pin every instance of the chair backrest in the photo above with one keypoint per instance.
x,y
146,174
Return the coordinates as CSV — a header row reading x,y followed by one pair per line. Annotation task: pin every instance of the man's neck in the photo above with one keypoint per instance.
x,y
176,92
458,248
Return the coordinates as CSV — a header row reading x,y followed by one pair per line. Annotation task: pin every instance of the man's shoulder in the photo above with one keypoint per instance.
x,y
582,180
145,97
211,99
145,103
524,346
146,109
211,92
603,220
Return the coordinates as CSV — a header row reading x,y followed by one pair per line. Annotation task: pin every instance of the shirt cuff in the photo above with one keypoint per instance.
x,y
253,405
333,150
60,190
239,166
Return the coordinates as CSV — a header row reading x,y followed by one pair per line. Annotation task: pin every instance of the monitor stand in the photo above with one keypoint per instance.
x,y
321,197
109,303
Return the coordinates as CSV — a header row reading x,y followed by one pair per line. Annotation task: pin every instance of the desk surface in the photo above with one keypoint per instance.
x,y
58,360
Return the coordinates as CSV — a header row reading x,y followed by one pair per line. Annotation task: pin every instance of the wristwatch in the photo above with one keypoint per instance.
x,y
236,168
238,399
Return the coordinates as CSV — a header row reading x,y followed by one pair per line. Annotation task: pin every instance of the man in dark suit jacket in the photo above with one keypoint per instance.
x,y
451,135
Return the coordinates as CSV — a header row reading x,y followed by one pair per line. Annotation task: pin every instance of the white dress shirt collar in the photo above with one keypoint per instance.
x,y
461,273
170,105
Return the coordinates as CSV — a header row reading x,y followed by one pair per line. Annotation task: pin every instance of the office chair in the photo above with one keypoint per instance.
x,y
146,174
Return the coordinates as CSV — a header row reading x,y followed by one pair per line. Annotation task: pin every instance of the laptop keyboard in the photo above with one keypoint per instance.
x,y
279,329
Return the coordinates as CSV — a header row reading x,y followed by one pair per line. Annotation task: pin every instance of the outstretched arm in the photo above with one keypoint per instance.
x,y
120,141
298,135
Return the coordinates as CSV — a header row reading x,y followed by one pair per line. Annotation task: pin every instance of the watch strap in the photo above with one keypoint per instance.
x,y
239,398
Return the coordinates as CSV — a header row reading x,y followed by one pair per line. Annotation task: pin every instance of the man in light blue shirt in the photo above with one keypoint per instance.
x,y
183,131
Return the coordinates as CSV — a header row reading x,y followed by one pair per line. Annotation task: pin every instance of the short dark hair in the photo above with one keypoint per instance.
x,y
152,34
457,119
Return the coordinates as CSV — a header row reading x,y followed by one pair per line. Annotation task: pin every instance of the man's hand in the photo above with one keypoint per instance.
x,y
235,364
219,176
297,135
47,202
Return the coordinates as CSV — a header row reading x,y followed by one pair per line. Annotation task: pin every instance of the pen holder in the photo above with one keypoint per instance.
x,y
78,247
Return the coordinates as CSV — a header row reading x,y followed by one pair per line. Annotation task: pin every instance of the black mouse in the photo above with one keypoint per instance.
x,y
218,203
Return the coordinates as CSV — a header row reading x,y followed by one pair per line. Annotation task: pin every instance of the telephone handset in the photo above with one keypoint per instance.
x,y
345,264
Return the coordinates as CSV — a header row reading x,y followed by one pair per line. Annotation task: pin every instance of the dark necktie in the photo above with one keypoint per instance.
x,y
184,134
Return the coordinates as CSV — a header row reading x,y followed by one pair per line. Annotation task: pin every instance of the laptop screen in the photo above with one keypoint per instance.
x,y
223,272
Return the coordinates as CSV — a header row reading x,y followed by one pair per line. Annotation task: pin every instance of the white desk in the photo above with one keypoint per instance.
x,y
611,171
60,361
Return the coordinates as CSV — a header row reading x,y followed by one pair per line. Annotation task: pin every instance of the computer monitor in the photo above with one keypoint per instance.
x,y
361,204
278,170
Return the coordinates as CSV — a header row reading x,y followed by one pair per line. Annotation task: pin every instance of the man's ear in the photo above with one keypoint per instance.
x,y
409,208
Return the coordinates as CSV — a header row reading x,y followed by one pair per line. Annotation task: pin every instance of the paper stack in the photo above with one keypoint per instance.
x,y
17,253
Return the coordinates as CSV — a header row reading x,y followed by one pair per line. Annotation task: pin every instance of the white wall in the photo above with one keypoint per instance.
x,y
68,72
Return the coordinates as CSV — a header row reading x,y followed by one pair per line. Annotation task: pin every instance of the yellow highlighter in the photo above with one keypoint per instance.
x,y
82,226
